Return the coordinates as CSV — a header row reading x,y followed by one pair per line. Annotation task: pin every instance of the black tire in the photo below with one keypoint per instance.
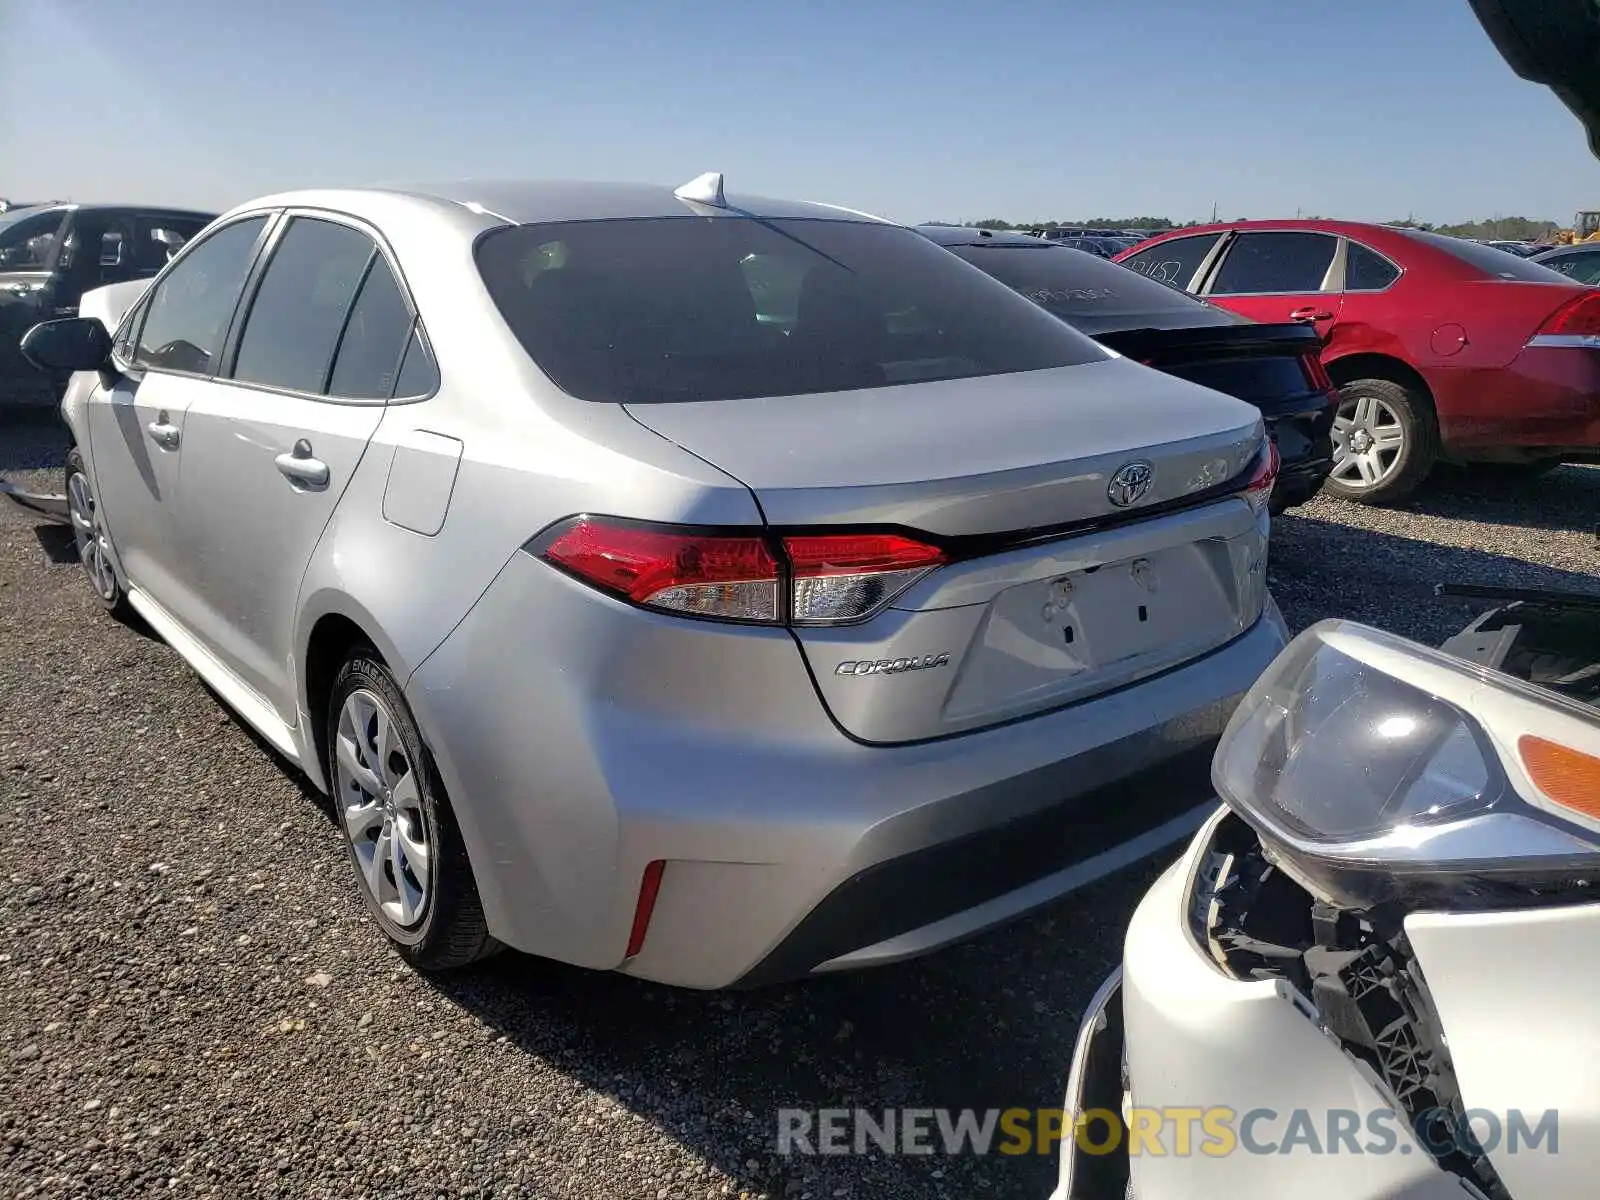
x,y
97,567
451,930
1419,450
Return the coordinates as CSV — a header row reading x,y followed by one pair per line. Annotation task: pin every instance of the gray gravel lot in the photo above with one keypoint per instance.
x,y
194,1004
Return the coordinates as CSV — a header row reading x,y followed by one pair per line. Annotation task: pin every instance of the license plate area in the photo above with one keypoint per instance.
x,y
1099,627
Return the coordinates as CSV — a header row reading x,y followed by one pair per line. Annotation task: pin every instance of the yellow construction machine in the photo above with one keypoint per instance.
x,y
1585,228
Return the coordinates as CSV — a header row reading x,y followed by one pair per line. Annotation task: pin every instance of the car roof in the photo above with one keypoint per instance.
x,y
527,202
1347,228
76,206
1568,251
961,235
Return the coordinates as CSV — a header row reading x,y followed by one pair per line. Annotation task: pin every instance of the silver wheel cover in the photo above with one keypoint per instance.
x,y
382,809
90,535
1368,438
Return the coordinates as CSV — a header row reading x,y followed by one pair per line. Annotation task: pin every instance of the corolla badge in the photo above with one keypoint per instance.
x,y
1130,482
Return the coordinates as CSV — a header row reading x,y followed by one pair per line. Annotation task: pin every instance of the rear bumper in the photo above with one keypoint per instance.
x,y
1547,398
582,741
1199,1040
1305,452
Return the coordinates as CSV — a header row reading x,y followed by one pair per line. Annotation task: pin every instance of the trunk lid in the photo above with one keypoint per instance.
x,y
960,457
1053,593
1261,364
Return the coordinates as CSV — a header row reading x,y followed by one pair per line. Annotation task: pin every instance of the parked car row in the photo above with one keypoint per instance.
x,y
1442,348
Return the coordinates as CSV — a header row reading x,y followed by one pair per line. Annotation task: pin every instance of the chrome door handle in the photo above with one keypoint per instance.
x,y
299,468
163,433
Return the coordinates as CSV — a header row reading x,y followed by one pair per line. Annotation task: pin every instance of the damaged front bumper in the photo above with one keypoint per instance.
x,y
1241,1064
48,505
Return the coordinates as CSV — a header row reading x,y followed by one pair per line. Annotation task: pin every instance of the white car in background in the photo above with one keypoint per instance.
x,y
1373,975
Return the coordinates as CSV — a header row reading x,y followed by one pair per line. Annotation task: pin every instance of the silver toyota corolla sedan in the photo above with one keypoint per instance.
x,y
709,588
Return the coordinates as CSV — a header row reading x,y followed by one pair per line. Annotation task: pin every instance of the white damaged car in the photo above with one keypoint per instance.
x,y
1373,975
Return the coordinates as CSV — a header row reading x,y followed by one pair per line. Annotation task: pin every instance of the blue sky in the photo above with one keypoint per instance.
x,y
918,111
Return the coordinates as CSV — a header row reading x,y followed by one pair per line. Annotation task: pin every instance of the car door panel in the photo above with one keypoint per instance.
x,y
136,472
1279,275
269,452
249,526
137,426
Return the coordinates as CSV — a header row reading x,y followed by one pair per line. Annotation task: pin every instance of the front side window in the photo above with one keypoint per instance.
x,y
187,315
300,308
1285,261
1173,262
28,239
158,238
691,308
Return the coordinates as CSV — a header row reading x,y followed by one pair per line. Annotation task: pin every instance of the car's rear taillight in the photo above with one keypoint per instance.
x,y
843,577
1265,473
809,579
702,575
1578,318
1316,374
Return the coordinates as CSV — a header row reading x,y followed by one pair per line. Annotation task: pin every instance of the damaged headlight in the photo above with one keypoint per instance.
x,y
1380,767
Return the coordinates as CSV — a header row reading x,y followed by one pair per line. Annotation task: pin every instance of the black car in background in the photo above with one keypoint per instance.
x,y
51,254
1277,368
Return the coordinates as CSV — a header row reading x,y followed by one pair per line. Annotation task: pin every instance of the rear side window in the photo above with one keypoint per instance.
x,y
1366,270
187,315
419,374
690,308
1495,263
374,338
1173,262
1285,261
300,307
1084,289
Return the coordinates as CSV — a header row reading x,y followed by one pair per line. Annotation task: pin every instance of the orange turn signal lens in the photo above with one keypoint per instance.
x,y
1569,777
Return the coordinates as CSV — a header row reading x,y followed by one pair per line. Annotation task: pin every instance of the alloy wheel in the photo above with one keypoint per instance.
x,y
1369,436
382,809
90,537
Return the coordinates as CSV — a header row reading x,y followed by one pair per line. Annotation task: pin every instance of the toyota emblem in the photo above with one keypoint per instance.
x,y
1131,482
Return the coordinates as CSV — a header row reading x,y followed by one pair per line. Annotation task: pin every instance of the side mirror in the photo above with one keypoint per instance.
x,y
111,250
71,344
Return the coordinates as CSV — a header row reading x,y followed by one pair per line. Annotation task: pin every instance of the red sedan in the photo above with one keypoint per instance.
x,y
1442,348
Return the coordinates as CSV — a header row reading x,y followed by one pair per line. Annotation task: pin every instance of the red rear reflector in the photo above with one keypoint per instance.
x,y
1316,374
1259,490
734,578
649,886
1579,317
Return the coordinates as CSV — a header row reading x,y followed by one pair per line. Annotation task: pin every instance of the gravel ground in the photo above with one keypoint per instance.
x,y
195,1004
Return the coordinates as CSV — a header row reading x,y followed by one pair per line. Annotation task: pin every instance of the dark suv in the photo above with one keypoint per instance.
x,y
51,254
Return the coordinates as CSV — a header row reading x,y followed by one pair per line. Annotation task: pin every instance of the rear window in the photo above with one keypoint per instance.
x,y
665,309
1486,258
1095,295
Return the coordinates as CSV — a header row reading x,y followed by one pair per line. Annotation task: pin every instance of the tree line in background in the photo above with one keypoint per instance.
x,y
1494,229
